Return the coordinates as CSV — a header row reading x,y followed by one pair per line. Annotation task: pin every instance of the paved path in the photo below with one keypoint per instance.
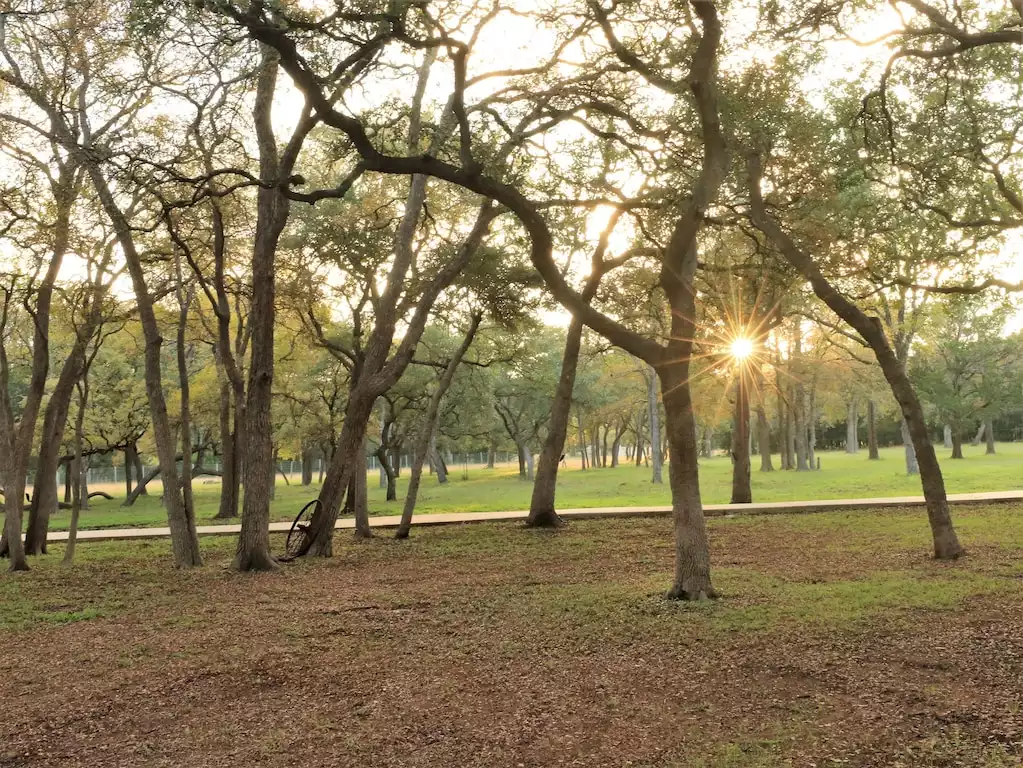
x,y
712,510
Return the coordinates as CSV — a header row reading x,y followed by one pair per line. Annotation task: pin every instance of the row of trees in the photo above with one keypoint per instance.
x,y
672,175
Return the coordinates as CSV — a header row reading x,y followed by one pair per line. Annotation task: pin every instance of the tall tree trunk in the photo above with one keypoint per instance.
x,y
603,448
78,492
522,460
184,390
438,462
742,490
184,540
654,416
873,453
852,443
764,440
542,513
947,436
44,494
272,209
491,454
989,431
128,466
616,445
530,475
425,439
946,543
228,455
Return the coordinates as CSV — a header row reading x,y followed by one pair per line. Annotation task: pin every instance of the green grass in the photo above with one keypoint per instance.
x,y
842,476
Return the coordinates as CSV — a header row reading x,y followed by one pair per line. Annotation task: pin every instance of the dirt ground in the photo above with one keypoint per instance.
x,y
837,643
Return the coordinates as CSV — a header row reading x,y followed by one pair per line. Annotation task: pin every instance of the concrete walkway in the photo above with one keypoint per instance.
x,y
711,510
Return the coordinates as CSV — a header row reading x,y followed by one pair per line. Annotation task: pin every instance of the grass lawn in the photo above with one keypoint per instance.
x,y
837,642
842,476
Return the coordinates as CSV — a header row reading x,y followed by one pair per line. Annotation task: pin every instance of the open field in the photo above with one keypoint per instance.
x,y
842,476
837,642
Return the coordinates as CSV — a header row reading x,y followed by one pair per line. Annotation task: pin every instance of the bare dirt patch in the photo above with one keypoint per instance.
x,y
490,645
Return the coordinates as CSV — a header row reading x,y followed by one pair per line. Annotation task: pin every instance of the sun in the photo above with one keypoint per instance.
x,y
741,348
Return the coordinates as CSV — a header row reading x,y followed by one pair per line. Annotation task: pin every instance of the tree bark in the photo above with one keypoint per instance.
x,y
78,494
873,453
946,543
425,440
947,436
912,466
229,486
44,494
852,441
957,444
654,416
542,512
764,440
184,540
272,210
977,437
989,432
742,490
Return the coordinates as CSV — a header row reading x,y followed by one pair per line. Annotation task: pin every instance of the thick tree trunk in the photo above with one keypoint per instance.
x,y
654,416
873,453
957,444
989,432
616,446
852,416
742,490
692,549
272,210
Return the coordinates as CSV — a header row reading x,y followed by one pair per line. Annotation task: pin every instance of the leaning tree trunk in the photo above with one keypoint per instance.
x,y
873,453
542,513
946,543
426,439
742,490
977,437
989,432
44,494
439,465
